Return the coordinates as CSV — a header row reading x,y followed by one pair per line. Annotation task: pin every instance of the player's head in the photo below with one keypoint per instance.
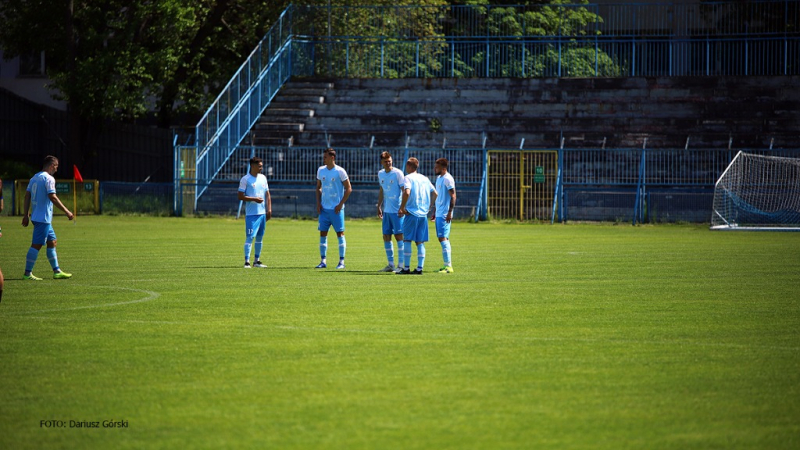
x,y
440,167
329,157
412,165
50,163
256,164
386,161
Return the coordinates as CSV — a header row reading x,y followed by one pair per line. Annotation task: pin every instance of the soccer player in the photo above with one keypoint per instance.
x,y
443,209
254,190
41,194
390,195
418,193
333,190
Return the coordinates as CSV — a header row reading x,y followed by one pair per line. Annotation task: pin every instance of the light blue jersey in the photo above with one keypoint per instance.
x,y
392,184
419,199
255,186
41,186
444,183
332,181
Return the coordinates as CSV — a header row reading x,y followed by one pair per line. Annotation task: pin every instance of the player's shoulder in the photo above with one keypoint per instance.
x,y
46,177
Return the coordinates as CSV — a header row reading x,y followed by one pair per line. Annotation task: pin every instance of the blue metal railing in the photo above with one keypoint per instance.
x,y
243,99
545,57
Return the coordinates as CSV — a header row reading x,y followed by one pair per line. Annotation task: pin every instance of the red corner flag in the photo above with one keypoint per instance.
x,y
76,174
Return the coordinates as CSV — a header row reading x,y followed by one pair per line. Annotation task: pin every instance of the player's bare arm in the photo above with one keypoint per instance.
x,y
380,203
247,198
319,196
26,209
56,201
449,215
402,211
269,204
348,189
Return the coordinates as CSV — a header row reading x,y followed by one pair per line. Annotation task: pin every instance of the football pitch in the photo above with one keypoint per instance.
x,y
578,336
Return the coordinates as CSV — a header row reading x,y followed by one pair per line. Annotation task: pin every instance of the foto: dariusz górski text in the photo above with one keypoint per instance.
x,y
83,424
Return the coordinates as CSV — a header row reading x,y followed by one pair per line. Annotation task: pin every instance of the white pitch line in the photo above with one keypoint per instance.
x,y
151,295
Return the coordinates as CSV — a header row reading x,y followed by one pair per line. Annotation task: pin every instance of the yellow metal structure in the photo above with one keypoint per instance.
x,y
522,184
84,195
188,181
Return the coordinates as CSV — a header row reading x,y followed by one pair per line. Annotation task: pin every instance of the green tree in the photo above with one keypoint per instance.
x,y
119,59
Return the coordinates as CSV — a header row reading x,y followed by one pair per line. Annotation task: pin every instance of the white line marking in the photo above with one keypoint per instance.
x,y
151,295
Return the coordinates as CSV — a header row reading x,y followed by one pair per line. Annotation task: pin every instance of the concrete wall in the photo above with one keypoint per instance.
x,y
617,112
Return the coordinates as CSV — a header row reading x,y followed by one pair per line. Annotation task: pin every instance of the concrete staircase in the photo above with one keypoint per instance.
x,y
290,110
748,112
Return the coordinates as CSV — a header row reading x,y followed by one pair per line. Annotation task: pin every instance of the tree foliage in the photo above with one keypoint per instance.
x,y
121,59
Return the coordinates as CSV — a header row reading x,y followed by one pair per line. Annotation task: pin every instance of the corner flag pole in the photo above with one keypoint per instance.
x,y
76,177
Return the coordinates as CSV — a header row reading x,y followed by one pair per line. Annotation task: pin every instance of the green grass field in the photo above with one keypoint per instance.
x,y
547,337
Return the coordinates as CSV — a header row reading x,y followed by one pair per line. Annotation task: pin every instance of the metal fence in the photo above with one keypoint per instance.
x,y
546,57
634,185
298,165
564,40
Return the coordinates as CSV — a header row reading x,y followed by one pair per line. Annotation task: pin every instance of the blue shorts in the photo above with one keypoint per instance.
x,y
442,228
328,218
415,229
43,233
392,223
255,226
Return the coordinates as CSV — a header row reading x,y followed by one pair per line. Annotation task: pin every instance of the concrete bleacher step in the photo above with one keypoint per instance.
x,y
279,126
310,99
287,113
584,112
270,141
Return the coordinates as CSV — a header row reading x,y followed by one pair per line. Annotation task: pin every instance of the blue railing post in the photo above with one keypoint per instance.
x,y
640,187
560,158
452,59
559,54
417,65
746,54
482,212
487,57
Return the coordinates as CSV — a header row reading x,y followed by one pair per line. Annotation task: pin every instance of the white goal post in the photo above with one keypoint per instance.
x,y
757,192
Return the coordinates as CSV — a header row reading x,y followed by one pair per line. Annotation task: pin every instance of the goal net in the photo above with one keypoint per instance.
x,y
758,192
